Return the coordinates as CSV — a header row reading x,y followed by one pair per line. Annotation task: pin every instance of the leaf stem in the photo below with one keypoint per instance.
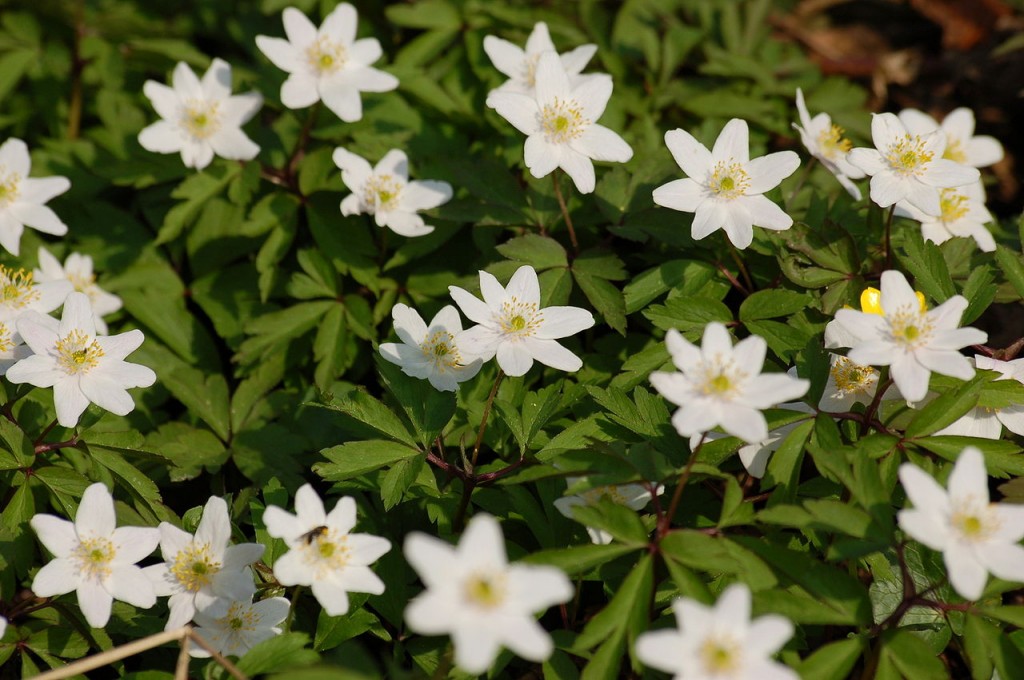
x,y
483,421
666,520
565,214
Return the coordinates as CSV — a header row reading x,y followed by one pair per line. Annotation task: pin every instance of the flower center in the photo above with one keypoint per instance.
x,y
486,591
720,657
10,184
910,328
562,120
519,319
194,567
832,143
17,288
201,119
94,556
954,150
954,205
240,618
78,352
610,491
729,180
850,377
720,378
381,192
326,56
973,520
441,351
908,156
326,550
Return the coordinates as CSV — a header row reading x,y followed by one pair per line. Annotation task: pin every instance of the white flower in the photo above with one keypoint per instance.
x,y
912,341
824,140
633,496
720,642
94,558
23,198
77,270
3,626
326,64
513,327
521,65
962,145
962,213
200,118
322,551
386,192
848,384
908,167
975,537
235,624
559,120
481,600
724,188
755,456
198,568
80,367
722,385
19,293
987,423
430,351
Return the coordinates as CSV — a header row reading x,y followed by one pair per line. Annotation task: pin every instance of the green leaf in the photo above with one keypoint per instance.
x,y
1001,457
399,478
357,458
206,396
773,303
373,414
606,298
947,408
924,260
579,559
425,14
834,660
16,450
429,409
911,656
280,652
197,190
1012,266
626,612
542,252
688,314
621,522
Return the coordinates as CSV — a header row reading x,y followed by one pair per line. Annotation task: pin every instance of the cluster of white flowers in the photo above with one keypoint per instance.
x,y
74,356
511,326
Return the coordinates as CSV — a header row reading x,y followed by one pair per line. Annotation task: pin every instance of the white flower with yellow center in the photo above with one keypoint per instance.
x,y
520,65
481,600
976,537
386,192
559,119
911,340
988,423
23,198
326,64
962,213
322,551
20,293
908,167
430,351
722,385
962,145
200,118
234,624
514,327
633,496
198,568
81,367
848,384
725,187
95,558
719,642
825,141
77,270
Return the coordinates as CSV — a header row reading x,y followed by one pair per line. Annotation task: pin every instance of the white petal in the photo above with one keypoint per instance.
x,y
966,574
299,90
540,156
331,596
95,515
130,585
680,194
601,144
692,156
506,57
15,158
579,167
280,52
57,577
58,535
552,354
341,23
514,358
561,322
39,217
732,142
299,29
425,194
518,109
767,172
95,603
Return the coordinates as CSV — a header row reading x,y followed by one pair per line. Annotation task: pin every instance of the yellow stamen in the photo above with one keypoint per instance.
x,y
729,181
486,590
832,143
562,120
908,156
78,352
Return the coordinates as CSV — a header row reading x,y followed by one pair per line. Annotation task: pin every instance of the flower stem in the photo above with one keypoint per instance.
x,y
666,520
884,381
888,237
46,431
483,421
565,214
742,267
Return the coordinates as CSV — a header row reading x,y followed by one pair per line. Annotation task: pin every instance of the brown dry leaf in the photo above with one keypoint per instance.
x,y
965,23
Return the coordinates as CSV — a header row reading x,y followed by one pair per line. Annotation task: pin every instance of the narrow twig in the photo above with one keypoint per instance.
x,y
732,279
565,214
54,446
181,668
46,431
483,421
459,519
231,668
666,521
